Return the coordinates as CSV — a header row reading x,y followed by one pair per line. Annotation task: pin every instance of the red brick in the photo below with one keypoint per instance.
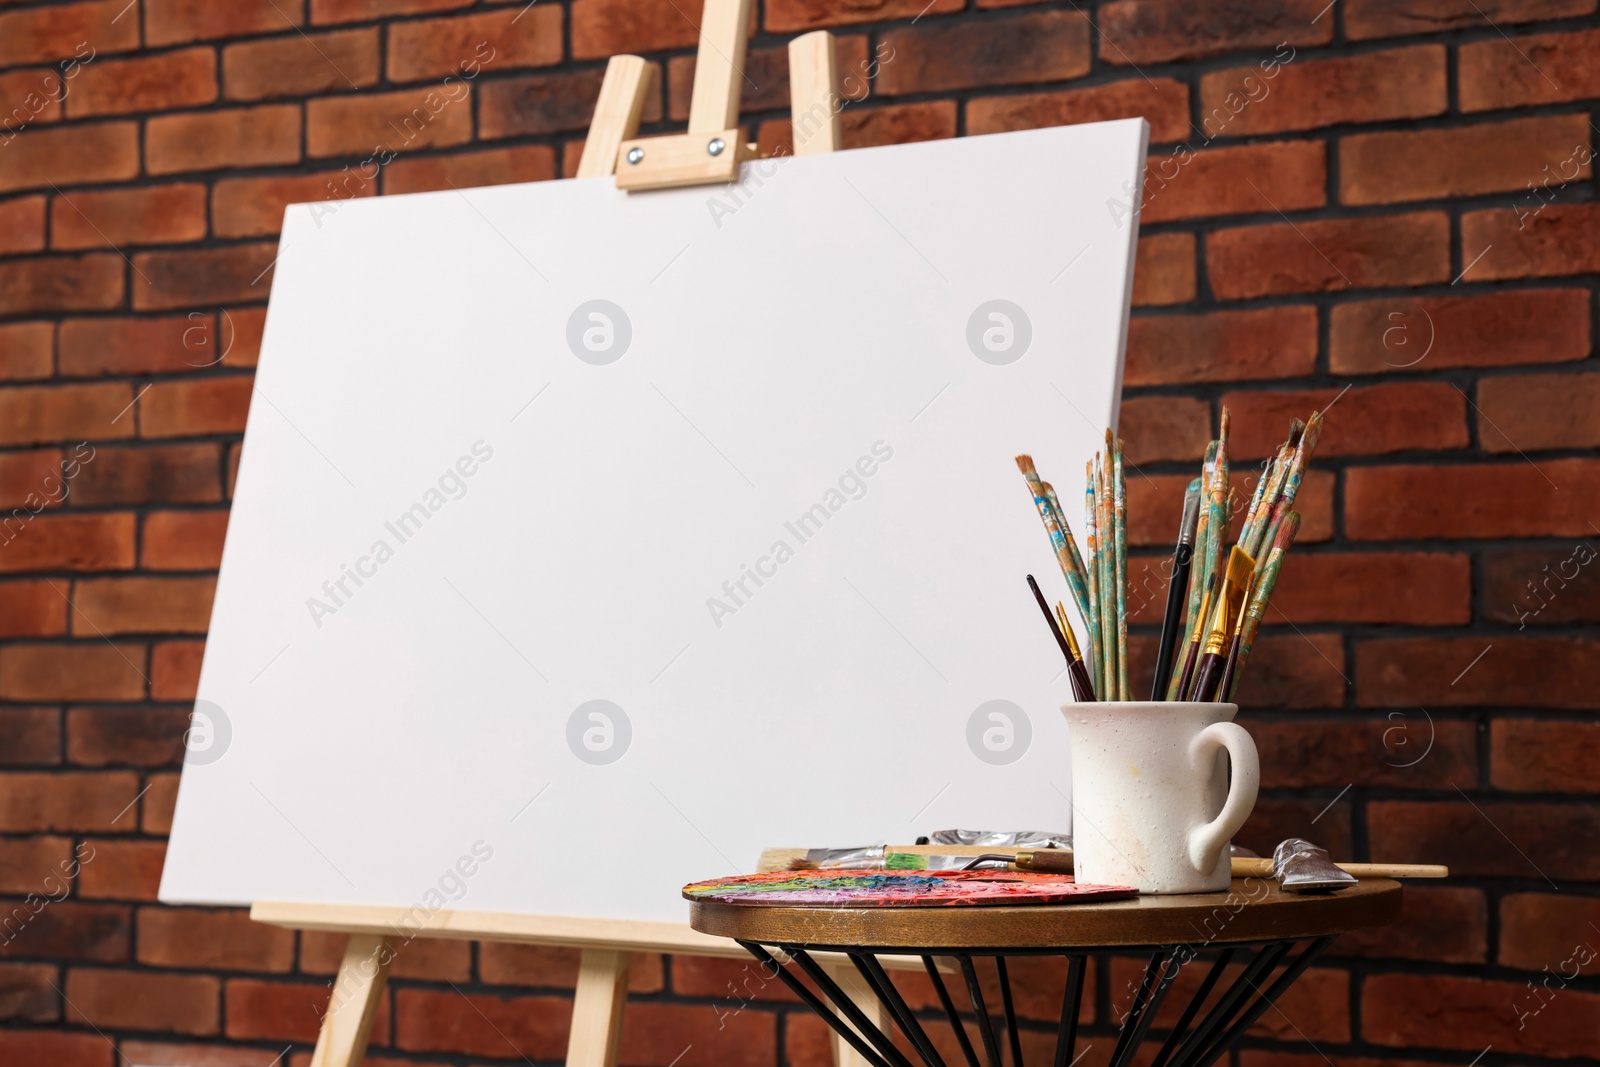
x,y
33,97
175,669
146,83
1159,498
1402,83
28,994
204,278
30,737
556,967
1516,72
120,870
173,474
115,606
43,414
1393,167
465,45
428,117
212,940
65,929
1325,255
156,215
1315,1008
183,540
1386,18
1487,330
187,1054
796,16
26,350
1541,586
1544,756
1445,1011
32,609
1390,588
262,136
61,283
1323,819
300,65
867,127
1560,239
1036,46
70,542
324,11
1164,270
107,151
33,481
1221,346
155,811
1239,180
72,800
56,1048
547,103
1290,669
1162,102
195,407
180,1003
22,225
29,860
1533,672
1504,500
136,346
85,671
1538,411
1414,752
1157,428
496,166
240,337
138,736
1442,924
181,21
1543,930
285,1011
1148,31
1361,421
253,207
67,30
532,1027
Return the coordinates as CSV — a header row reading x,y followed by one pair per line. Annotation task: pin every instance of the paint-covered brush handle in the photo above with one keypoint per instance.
x,y
1244,867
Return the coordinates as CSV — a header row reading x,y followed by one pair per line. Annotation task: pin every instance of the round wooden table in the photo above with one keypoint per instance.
x,y
1273,935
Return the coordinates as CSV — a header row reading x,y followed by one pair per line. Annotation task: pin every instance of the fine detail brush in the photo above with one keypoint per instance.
x,y
1061,539
1177,589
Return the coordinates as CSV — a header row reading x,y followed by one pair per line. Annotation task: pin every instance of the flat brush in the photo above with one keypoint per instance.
x,y
1194,644
1231,667
1177,590
1082,687
1230,606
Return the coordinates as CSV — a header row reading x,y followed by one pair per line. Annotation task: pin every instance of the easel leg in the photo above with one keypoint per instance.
x,y
354,1004
597,1008
850,980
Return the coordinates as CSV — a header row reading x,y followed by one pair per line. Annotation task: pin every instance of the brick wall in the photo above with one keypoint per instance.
x,y
1386,205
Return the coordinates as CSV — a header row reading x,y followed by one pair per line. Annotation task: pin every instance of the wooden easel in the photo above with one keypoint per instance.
x,y
710,152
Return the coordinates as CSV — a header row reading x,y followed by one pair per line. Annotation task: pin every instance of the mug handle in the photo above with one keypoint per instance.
x,y
1207,842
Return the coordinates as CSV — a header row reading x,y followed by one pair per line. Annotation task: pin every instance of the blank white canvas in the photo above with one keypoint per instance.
x,y
780,332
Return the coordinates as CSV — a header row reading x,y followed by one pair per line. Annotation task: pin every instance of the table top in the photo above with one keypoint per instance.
x,y
1252,909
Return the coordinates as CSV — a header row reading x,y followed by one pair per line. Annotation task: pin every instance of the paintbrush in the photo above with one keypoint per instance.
x,y
1230,606
1177,589
1092,540
1199,576
1231,667
1119,522
1061,539
1194,643
1082,687
1256,608
1050,621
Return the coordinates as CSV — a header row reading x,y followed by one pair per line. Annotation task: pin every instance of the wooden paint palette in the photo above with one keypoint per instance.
x,y
900,889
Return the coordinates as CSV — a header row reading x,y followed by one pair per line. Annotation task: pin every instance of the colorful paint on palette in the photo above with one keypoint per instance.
x,y
895,889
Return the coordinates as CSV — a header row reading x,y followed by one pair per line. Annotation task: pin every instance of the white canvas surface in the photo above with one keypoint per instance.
x,y
574,522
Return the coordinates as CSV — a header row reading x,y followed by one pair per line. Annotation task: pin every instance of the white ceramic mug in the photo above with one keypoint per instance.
x,y
1152,804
